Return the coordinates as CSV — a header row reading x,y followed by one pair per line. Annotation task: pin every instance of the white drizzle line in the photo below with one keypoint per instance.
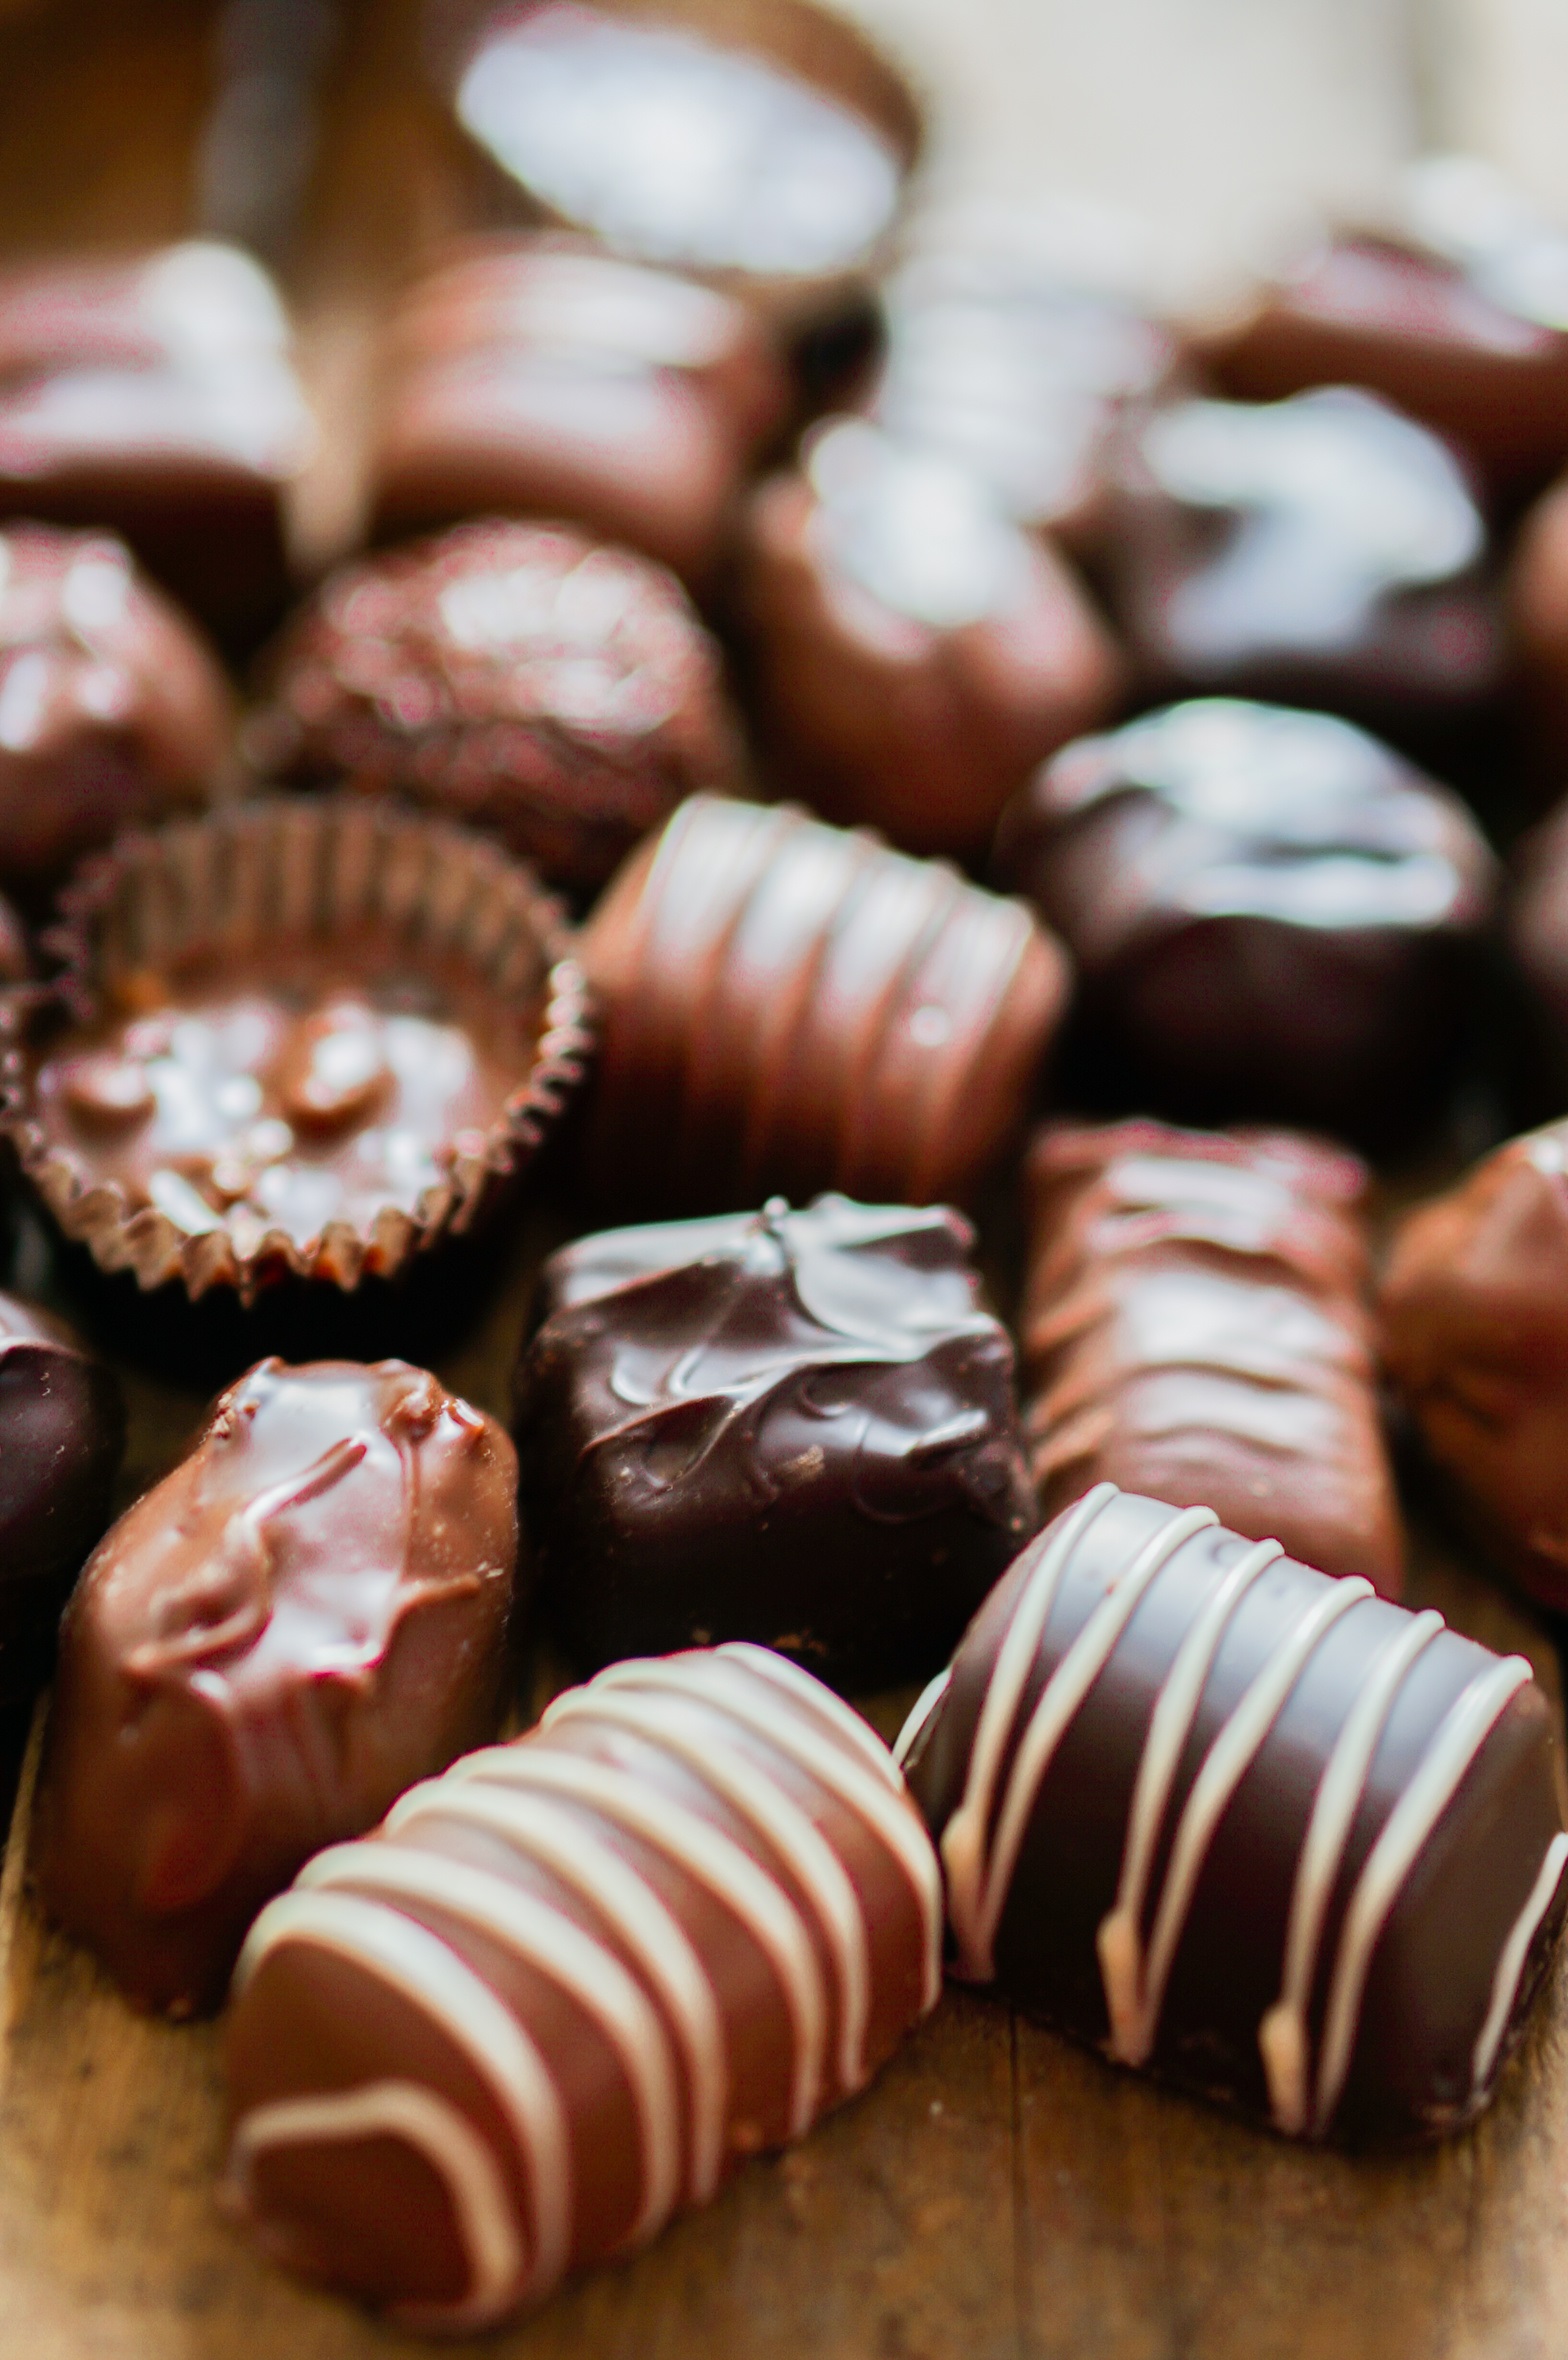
x,y
1460,1736
769,1665
783,1825
428,1972
1283,2039
1510,1964
532,1826
1119,1940
712,1860
1224,1766
451,2146
921,1712
964,1838
1057,1708
885,1813
544,1938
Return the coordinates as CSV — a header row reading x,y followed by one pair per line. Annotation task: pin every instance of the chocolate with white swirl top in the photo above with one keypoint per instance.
x,y
1270,1836
795,1427
568,1987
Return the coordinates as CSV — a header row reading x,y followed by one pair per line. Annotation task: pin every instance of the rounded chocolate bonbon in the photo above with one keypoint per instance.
x,y
788,1007
554,690
795,1427
1196,1326
1272,915
568,1987
1261,1832
307,1615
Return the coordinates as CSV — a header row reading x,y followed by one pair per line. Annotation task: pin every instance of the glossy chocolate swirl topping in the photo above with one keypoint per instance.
x,y
568,1987
796,1427
1265,1833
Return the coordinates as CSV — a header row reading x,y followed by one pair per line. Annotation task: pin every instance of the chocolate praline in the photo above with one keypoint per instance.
x,y
556,691
1264,1834
154,394
113,710
307,1615
1321,551
915,652
792,1427
1273,917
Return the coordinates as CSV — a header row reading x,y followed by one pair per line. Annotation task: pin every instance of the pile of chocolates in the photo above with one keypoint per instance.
x,y
842,742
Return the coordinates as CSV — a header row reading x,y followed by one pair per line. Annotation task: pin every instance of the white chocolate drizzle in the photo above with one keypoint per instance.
x,y
636,1973
920,1712
1007,1768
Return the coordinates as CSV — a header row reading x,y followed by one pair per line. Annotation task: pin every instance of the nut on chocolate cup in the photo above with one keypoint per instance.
x,y
259,873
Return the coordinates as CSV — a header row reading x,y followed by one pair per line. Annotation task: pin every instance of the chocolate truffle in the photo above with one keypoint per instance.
x,y
1538,612
553,690
304,1617
154,394
568,1988
531,377
1008,361
1323,551
787,1007
1195,1326
62,1429
916,653
1457,310
1273,916
797,1427
1475,1318
112,710
1261,1832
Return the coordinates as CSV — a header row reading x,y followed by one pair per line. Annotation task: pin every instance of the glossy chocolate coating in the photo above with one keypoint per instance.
x,y
155,395
112,709
1475,1320
1017,371
1538,612
1322,551
1457,312
676,148
794,1427
550,689
1273,916
570,1986
62,1429
1269,1836
787,1007
916,653
303,1618
533,377
1195,1326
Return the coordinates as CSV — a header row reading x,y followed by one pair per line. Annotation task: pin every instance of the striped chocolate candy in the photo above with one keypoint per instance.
x,y
566,1987
1261,1831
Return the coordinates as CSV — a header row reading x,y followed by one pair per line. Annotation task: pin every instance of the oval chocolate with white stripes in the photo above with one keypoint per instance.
x,y
569,1986
1261,1831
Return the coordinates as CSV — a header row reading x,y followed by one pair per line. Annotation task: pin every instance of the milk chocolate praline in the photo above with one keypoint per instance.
x,y
554,690
270,1646
792,1427
1274,918
299,1053
115,710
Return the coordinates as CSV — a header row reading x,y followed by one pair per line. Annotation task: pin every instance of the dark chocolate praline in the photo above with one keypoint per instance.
x,y
1273,917
1262,1833
268,1648
792,1427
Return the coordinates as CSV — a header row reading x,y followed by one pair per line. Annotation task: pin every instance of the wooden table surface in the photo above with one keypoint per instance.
x,y
998,2195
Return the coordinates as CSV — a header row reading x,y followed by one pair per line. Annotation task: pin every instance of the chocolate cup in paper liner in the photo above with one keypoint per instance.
x,y
246,880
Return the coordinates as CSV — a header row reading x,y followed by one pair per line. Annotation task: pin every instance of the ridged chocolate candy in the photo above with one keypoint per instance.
x,y
795,1427
1261,1832
304,1617
1195,1326
788,1007
567,1988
